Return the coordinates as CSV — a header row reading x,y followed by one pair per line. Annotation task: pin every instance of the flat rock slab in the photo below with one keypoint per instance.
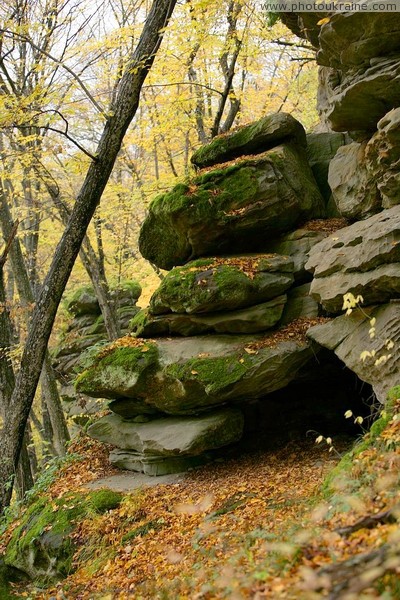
x,y
254,138
156,466
348,337
233,209
363,258
222,284
171,436
126,482
252,319
185,375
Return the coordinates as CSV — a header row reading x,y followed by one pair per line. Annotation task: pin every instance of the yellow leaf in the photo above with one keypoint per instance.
x,y
194,372
250,351
145,349
324,21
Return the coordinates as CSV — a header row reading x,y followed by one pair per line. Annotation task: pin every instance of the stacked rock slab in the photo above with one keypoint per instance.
x,y
359,54
236,240
86,330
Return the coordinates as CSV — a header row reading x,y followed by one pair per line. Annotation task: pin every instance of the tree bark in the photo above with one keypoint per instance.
x,y
99,171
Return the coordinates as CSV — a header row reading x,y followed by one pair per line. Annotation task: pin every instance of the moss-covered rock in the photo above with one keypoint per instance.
x,y
191,374
253,319
210,285
41,546
231,209
120,370
254,138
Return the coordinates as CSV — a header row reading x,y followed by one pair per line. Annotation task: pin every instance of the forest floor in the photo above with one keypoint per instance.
x,y
273,525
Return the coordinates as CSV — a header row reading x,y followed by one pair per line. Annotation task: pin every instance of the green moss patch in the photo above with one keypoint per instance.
x,y
213,373
106,376
250,139
41,546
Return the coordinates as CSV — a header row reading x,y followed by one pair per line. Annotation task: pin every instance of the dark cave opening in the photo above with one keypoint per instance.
x,y
312,405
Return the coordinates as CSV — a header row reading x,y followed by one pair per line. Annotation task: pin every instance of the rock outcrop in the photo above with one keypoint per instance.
x,y
267,237
363,259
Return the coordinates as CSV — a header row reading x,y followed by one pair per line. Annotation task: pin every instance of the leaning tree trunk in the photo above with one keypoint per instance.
x,y
121,114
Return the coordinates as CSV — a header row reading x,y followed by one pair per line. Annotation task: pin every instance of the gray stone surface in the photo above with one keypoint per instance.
x,y
374,91
299,305
253,319
354,190
171,436
157,467
349,336
321,149
297,245
382,159
126,482
354,39
363,258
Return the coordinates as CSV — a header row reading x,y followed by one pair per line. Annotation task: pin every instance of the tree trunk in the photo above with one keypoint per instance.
x,y
91,262
99,171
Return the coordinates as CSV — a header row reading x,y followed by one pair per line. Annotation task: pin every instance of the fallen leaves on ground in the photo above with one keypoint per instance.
x,y
197,527
294,331
326,225
250,527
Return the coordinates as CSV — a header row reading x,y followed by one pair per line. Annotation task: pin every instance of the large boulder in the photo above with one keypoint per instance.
x,y
233,209
83,300
349,336
354,39
251,319
374,91
255,138
363,258
187,375
222,284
